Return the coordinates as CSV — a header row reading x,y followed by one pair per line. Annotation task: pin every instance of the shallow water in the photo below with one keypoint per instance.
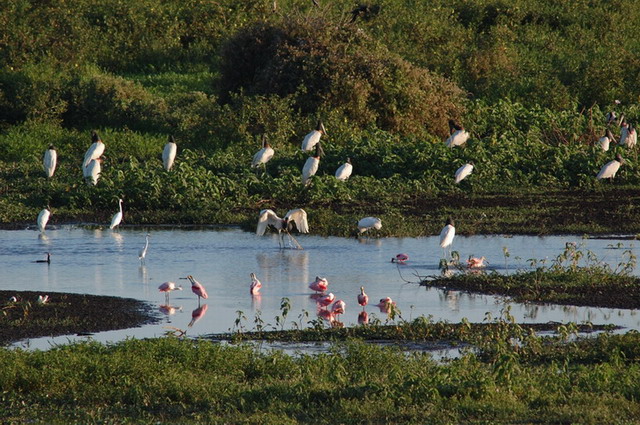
x,y
104,262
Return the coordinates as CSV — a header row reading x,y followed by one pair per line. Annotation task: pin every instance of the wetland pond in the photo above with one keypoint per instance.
x,y
99,261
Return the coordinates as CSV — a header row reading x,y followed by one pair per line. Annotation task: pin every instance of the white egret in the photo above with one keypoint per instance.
x,y
92,171
606,140
117,217
43,218
311,166
609,170
169,153
458,135
264,155
142,254
313,138
367,223
447,234
344,171
296,216
95,150
50,160
463,172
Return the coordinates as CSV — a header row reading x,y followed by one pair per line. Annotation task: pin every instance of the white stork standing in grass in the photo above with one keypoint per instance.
x,y
311,166
49,161
458,135
297,217
344,171
169,153
463,172
313,138
606,139
95,151
609,170
264,155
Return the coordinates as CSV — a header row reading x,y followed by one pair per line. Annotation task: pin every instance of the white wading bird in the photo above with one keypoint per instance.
x,y
117,217
609,170
311,166
447,234
95,150
142,254
296,216
463,172
606,140
367,223
624,132
458,135
344,171
169,153
43,218
50,160
632,136
92,171
264,155
313,138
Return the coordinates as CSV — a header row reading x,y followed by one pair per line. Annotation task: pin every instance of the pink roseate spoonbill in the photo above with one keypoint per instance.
x,y
264,155
295,218
476,263
385,305
198,289
447,234
326,300
95,150
363,299
43,219
311,166
326,315
319,285
169,153
606,140
400,258
49,161
167,288
368,223
458,135
338,308
313,138
197,314
609,170
463,172
344,171
254,289
363,318
117,217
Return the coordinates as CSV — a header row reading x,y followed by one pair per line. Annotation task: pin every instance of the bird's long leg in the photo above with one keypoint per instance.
x,y
298,246
280,240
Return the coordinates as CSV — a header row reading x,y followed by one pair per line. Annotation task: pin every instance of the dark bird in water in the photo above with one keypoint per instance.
x,y
48,260
364,11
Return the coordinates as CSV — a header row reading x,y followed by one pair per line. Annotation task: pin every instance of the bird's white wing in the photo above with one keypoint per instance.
x,y
446,235
169,155
310,168
266,218
43,218
608,170
458,138
50,159
310,140
463,172
344,172
95,150
117,218
257,157
299,216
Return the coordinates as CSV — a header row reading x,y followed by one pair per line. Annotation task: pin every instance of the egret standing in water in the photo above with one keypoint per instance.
x,y
344,171
297,216
463,172
142,255
311,166
446,236
169,153
198,289
95,150
117,217
264,155
49,161
313,138
458,135
43,218
609,170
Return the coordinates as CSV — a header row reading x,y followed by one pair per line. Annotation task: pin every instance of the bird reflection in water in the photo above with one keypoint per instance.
x,y
198,314
363,318
169,310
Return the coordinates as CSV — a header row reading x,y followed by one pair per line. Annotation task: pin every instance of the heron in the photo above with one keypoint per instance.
x,y
117,217
142,254
43,219
368,223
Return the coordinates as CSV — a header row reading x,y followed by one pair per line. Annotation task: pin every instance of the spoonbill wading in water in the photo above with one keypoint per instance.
x,y
254,289
297,217
198,289
167,288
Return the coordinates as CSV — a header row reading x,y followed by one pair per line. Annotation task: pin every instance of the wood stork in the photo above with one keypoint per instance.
x,y
311,166
624,132
297,217
313,138
169,153
264,155
117,217
606,139
198,289
609,170
49,161
447,234
369,223
463,172
458,135
142,254
92,171
344,171
632,136
43,218
95,150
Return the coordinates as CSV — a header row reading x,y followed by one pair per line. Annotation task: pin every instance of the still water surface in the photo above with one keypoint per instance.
x,y
105,262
